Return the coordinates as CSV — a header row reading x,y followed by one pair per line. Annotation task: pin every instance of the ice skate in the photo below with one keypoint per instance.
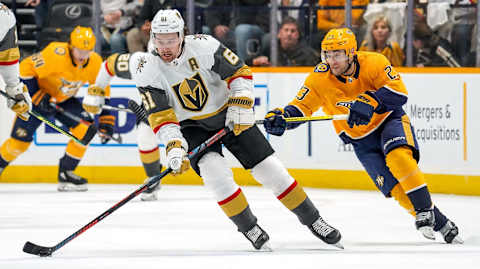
x,y
326,233
151,193
68,181
425,220
259,238
450,233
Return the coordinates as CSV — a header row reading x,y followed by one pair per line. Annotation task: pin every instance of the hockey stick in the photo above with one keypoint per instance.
x,y
41,251
116,108
47,122
314,118
76,118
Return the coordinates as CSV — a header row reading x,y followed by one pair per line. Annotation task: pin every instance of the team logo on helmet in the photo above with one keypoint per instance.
x,y
192,93
320,68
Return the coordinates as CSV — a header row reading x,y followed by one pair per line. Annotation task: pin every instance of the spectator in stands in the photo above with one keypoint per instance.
x,y
377,40
431,49
118,18
464,21
251,24
41,10
218,17
335,18
138,36
292,50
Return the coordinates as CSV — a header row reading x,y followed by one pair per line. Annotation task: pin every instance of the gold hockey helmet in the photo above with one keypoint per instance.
x,y
82,38
340,39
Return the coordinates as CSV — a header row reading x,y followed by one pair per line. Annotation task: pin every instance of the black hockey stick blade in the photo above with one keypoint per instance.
x,y
31,248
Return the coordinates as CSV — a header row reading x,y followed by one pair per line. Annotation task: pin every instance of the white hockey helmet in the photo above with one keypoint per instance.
x,y
168,21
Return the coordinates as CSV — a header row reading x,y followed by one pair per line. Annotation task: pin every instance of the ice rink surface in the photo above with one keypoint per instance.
x,y
186,229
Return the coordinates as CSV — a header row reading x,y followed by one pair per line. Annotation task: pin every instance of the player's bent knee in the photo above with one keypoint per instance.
x,y
12,148
272,174
146,139
217,175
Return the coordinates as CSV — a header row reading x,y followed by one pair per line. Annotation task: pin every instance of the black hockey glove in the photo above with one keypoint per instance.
x,y
361,111
106,124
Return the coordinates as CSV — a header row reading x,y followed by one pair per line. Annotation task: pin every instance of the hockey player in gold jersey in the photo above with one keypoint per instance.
x,y
55,75
366,86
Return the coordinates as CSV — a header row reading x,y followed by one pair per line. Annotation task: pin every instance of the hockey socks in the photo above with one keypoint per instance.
x,y
404,168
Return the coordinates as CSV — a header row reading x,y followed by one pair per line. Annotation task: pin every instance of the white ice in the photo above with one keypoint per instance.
x,y
186,229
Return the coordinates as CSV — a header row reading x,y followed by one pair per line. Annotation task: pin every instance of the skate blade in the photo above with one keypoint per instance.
x,y
69,187
427,232
266,247
147,197
338,245
457,240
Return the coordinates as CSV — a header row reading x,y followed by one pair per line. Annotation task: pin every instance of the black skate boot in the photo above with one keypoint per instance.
x,y
450,233
326,233
424,222
68,181
150,194
259,238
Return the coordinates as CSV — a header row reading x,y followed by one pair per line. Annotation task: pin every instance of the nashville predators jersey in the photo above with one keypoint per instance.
x,y
334,94
56,73
193,89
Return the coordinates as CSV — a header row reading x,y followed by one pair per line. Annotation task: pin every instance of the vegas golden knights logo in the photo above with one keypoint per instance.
x,y
192,93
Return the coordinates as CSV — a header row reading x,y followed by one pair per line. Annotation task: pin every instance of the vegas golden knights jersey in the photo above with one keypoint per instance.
x,y
191,90
9,52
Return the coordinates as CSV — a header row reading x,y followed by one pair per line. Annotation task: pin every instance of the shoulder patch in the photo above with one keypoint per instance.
x,y
60,51
320,68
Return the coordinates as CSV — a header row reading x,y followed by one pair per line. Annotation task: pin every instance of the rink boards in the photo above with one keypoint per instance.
x,y
441,107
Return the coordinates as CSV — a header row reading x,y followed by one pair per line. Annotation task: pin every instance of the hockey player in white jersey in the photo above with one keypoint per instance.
x,y
9,70
117,65
192,86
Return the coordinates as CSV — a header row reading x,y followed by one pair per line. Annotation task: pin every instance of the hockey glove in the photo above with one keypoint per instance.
x,y
275,123
22,102
177,158
94,100
240,112
106,124
361,111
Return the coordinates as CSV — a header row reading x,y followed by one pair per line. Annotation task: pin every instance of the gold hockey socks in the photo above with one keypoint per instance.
x,y
236,208
11,149
295,199
151,161
405,169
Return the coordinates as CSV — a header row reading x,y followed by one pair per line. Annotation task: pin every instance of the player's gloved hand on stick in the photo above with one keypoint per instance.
x,y
240,112
22,103
361,111
177,157
94,100
106,124
275,122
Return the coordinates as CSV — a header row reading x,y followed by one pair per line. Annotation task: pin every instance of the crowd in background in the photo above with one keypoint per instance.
x,y
444,30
